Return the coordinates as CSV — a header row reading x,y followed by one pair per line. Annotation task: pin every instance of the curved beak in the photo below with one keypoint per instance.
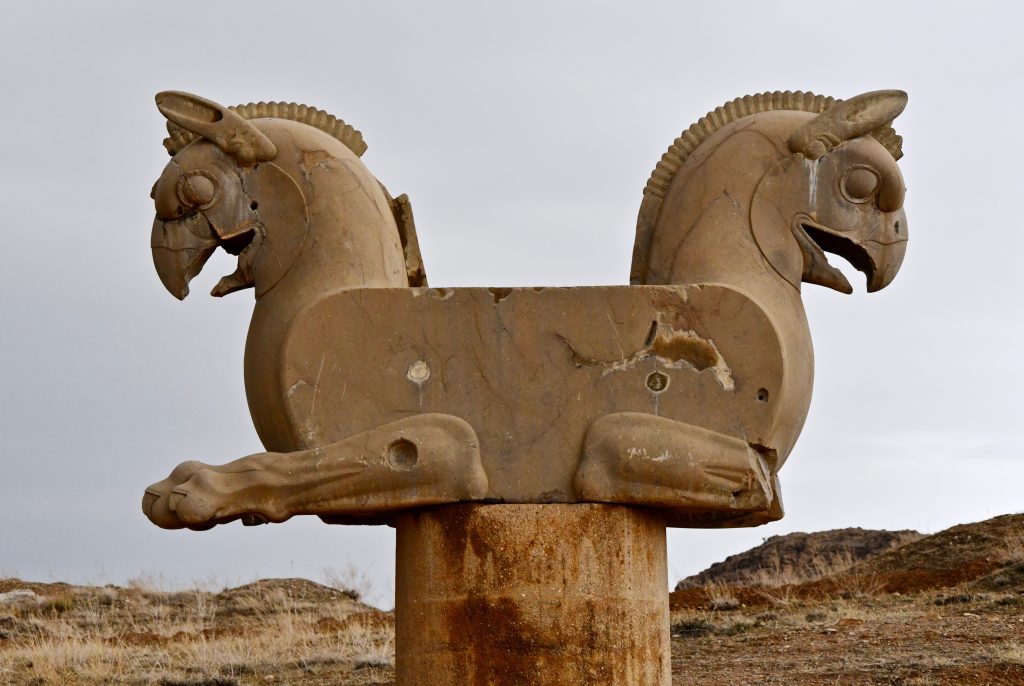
x,y
180,249
886,249
886,259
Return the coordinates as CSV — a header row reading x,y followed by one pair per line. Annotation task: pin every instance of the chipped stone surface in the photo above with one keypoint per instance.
x,y
685,391
531,370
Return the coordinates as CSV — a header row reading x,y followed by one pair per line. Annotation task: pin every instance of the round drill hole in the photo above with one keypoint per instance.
x,y
402,454
657,382
762,395
254,205
418,372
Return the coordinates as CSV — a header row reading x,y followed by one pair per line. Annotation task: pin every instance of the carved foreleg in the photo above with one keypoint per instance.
x,y
423,460
640,459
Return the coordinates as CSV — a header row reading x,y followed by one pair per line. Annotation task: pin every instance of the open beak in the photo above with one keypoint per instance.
x,y
878,260
180,249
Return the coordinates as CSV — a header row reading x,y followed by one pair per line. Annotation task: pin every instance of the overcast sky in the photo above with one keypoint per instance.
x,y
523,136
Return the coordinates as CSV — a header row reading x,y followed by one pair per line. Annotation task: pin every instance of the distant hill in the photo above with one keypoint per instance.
x,y
272,631
980,557
989,555
800,557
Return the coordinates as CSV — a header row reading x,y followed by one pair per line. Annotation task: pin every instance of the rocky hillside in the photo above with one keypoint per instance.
x,y
801,556
985,555
981,556
939,610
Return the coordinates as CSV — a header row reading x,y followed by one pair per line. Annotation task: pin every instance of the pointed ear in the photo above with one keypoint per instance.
x,y
217,124
845,120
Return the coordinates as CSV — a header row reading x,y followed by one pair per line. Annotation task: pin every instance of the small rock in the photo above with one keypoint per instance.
x,y
18,596
829,630
368,662
971,614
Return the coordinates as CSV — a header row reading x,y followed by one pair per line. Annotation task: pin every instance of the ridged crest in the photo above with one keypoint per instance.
x,y
683,146
353,140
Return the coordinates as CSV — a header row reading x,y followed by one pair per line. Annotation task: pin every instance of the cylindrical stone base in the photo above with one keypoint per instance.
x,y
531,595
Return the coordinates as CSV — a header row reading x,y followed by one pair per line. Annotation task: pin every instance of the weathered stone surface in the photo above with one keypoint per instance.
x,y
422,460
686,394
533,369
539,595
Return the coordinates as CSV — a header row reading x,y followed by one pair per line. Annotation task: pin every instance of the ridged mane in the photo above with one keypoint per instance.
x,y
303,114
683,146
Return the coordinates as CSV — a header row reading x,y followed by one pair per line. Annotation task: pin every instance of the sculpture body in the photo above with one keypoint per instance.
x,y
375,394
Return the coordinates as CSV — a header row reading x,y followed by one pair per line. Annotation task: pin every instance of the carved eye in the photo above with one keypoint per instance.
x,y
860,184
197,190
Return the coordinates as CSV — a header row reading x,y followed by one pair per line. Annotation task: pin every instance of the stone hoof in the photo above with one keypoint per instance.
x,y
640,459
199,496
157,501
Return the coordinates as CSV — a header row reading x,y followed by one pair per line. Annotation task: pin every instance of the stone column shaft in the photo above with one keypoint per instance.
x,y
531,595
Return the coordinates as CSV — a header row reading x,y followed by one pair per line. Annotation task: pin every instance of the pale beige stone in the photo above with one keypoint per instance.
x,y
687,396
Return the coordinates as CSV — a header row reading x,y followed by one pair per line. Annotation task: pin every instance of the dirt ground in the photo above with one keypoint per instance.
x,y
895,640
944,610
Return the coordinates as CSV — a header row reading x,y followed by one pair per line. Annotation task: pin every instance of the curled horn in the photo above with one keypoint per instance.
x,y
845,120
217,124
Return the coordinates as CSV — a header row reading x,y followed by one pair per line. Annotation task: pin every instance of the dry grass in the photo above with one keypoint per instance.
x,y
139,636
720,597
351,580
960,622
783,587
888,640
1012,655
1012,550
944,610
774,574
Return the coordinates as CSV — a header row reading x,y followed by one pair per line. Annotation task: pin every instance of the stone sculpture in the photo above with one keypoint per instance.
x,y
376,395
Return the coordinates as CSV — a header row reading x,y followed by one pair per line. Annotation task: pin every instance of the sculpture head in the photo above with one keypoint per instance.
x,y
201,202
855,195
811,175
234,182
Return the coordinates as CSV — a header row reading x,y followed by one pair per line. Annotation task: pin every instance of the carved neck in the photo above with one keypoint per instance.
x,y
351,240
727,214
711,243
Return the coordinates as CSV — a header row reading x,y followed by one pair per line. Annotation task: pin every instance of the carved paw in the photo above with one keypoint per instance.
x,y
198,496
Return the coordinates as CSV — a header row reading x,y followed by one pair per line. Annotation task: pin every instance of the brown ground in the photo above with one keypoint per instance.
x,y
939,610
